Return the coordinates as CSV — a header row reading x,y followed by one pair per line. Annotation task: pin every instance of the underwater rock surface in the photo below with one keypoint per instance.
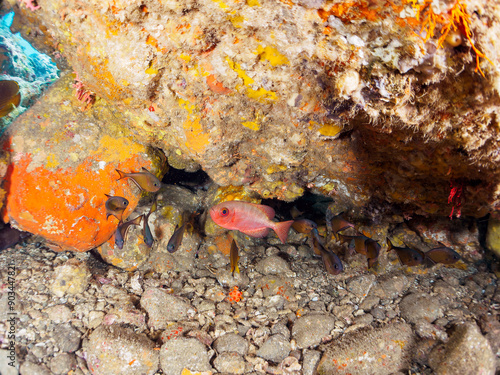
x,y
19,61
361,101
62,165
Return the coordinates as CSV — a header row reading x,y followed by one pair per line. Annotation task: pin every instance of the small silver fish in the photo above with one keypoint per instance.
x,y
115,206
176,240
146,230
331,261
121,231
234,257
443,254
145,180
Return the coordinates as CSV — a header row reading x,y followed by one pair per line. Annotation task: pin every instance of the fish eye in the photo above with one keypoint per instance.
x,y
224,211
125,203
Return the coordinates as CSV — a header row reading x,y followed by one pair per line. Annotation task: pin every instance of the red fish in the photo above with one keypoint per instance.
x,y
252,219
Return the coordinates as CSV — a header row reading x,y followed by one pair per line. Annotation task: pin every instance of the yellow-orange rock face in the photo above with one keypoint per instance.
x,y
63,163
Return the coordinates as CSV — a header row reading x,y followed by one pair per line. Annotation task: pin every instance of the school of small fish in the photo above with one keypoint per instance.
x,y
256,221
115,206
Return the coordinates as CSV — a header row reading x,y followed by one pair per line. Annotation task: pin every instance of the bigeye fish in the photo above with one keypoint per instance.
x,y
234,257
357,243
146,230
145,180
406,255
10,97
443,255
304,225
372,251
255,220
115,206
337,223
331,261
121,231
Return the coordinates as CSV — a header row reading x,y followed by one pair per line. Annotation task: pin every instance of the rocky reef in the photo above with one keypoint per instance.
x,y
367,102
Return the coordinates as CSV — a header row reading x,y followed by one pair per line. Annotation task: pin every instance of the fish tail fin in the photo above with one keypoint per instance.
x,y
389,244
236,269
281,230
122,174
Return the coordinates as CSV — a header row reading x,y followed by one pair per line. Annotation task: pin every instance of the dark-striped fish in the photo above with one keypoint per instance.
x,y
10,97
146,231
145,180
337,223
121,231
407,255
357,243
372,252
443,254
304,225
176,240
234,257
331,261
115,206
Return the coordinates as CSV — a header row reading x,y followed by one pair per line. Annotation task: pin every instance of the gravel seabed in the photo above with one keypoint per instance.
x,y
78,315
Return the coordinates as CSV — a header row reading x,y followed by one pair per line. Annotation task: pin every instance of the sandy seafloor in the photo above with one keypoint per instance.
x,y
285,285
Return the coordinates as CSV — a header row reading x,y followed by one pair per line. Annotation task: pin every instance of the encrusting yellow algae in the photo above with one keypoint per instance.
x,y
261,95
251,125
196,139
112,149
272,55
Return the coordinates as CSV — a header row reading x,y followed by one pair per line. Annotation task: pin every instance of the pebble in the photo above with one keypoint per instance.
x,y
175,355
277,302
114,350
426,330
163,308
30,368
276,348
63,363
273,265
70,278
282,329
310,329
273,285
467,352
4,364
231,342
379,351
230,363
226,278
417,306
67,338
390,287
58,313
310,361
369,302
361,285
